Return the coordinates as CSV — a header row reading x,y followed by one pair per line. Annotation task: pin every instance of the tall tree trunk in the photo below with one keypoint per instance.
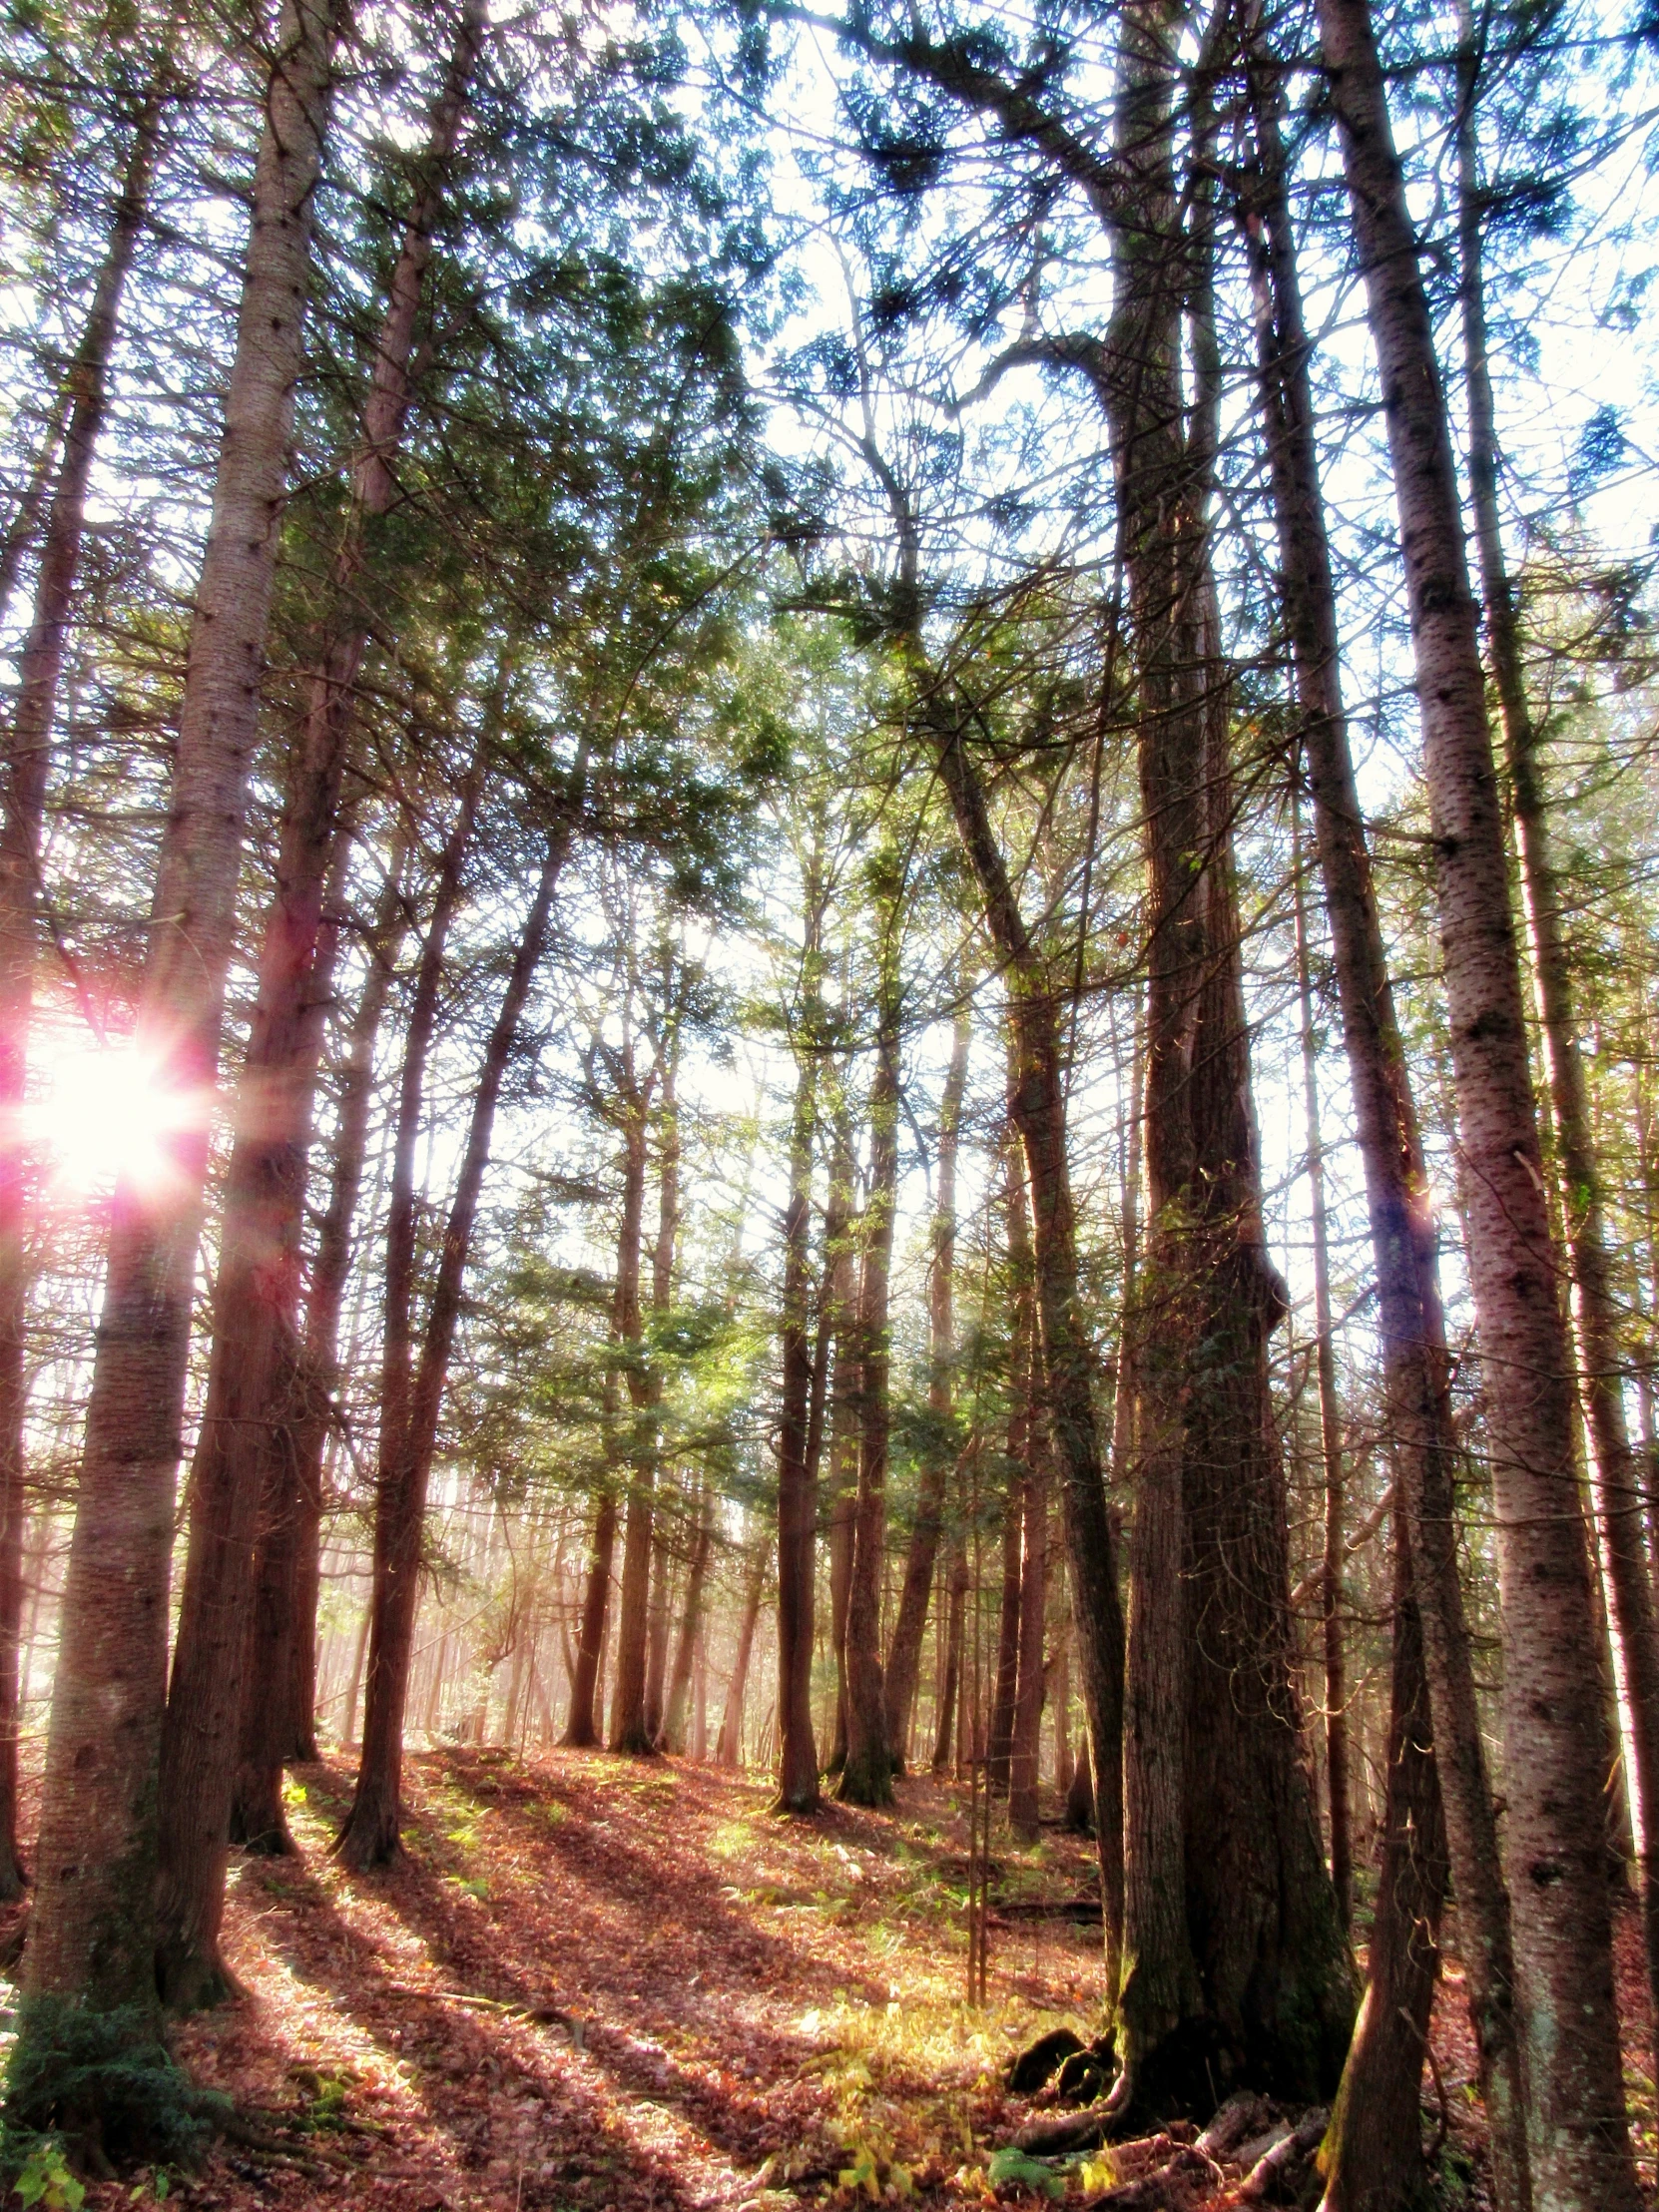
x,y
1601,1356
93,1937
628,1729
1330,1432
369,1836
1372,2161
1223,1862
1580,2151
867,1774
268,1721
279,1724
582,1728
677,1705
245,1441
1000,1736
904,1652
842,1319
1417,1370
729,1749
1026,1745
660,1612
22,818
798,1787
953,1626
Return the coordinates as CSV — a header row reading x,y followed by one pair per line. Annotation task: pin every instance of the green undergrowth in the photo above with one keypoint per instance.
x,y
91,2090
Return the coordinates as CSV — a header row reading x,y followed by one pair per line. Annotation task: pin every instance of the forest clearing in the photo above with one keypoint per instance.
x,y
829,1103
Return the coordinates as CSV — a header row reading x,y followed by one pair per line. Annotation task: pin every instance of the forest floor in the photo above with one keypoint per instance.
x,y
595,1983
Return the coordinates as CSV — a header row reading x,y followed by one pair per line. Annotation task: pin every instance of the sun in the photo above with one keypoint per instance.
x,y
102,1116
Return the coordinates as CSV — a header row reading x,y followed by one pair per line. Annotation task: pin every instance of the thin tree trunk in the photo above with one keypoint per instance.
x,y
628,1730
281,1728
1330,1434
369,1836
867,1774
1580,2149
1416,1366
93,1937
28,755
841,1318
904,1652
729,1749
1601,1358
798,1784
1372,2161
661,1608
950,1671
677,1705
1026,1738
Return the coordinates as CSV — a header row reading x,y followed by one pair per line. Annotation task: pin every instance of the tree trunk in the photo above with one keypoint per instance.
x,y
904,1652
270,1719
1330,1432
841,1318
1417,1370
951,1667
369,1836
1371,2159
93,1937
729,1749
1580,2152
582,1729
23,526
1600,1350
797,1789
659,1611
867,1774
1033,1613
245,1442
628,1696
677,1705
28,757
279,1724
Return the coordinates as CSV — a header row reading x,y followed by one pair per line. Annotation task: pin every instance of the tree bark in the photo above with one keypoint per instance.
x,y
1600,1350
1033,1613
93,1937
1579,2142
841,1317
1415,1364
950,1670
866,1776
798,1784
1331,1430
582,1729
369,1836
677,1705
729,1749
246,1443
1372,2154
904,1652
269,1720
22,819
628,1715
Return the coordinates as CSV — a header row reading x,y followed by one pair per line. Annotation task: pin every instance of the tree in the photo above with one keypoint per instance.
x,y
92,1939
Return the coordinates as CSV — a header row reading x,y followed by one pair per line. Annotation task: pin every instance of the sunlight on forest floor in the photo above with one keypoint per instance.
x,y
594,1983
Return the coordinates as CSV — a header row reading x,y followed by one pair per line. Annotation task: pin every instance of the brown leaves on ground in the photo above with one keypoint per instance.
x,y
596,1982
603,1983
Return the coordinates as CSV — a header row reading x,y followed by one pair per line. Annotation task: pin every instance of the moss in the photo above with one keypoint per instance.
x,y
105,2084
